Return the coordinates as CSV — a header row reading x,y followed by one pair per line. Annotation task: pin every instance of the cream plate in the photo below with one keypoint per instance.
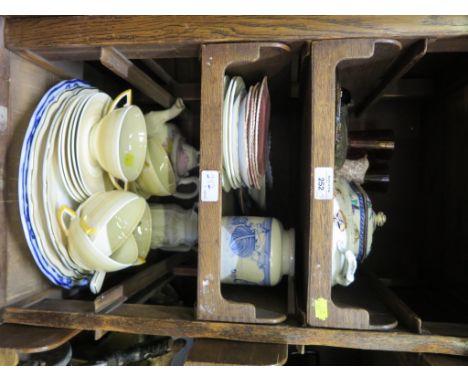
x,y
38,213
239,95
55,192
91,173
226,159
63,160
72,150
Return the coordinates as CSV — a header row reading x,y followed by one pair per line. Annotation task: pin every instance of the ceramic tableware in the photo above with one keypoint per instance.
x,y
119,140
55,193
354,222
156,122
173,228
158,177
91,174
29,202
142,234
184,157
110,216
255,251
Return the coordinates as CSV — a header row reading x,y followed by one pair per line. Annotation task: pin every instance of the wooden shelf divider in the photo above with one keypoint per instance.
x,y
216,58
321,310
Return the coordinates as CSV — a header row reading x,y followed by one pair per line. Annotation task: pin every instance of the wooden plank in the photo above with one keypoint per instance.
x,y
5,136
27,85
209,352
188,92
45,64
402,311
159,71
115,61
410,88
89,32
321,310
179,321
409,57
34,339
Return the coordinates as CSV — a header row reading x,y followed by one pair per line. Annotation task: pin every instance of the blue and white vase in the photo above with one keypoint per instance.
x,y
354,223
255,250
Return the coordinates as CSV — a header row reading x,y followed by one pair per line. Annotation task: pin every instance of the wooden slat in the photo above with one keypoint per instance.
x,y
209,352
159,71
36,59
115,61
409,57
89,32
410,88
402,311
179,321
5,136
34,339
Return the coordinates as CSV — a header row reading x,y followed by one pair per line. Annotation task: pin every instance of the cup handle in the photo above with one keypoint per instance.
x,y
116,184
65,210
125,94
95,285
192,179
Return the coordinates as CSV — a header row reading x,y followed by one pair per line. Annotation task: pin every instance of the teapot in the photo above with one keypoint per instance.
x,y
354,223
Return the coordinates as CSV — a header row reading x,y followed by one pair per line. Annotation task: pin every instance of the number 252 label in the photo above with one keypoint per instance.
x,y
323,183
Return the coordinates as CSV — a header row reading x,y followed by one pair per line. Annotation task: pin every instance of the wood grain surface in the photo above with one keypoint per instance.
x,y
211,305
211,352
325,56
173,33
179,321
33,339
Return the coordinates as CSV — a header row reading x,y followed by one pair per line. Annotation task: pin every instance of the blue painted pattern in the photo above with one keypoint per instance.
x,y
252,240
362,221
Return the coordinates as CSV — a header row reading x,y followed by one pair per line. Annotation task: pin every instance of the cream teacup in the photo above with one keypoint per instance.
x,y
158,177
142,235
83,251
108,218
119,140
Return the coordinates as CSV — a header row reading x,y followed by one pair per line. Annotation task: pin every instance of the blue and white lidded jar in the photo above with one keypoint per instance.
x,y
255,250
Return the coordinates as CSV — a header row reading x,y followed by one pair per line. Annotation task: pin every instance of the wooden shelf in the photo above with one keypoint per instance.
x,y
180,322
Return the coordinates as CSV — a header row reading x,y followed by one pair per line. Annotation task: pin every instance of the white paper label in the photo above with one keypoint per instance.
x,y
209,186
323,183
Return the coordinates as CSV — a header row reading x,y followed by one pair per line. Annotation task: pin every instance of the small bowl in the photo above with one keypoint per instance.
x,y
119,140
107,218
142,235
157,177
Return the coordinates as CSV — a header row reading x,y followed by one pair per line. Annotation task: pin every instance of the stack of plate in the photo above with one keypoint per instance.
x,y
246,117
56,169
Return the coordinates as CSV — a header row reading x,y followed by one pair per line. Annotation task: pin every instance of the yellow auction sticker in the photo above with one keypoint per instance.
x,y
321,309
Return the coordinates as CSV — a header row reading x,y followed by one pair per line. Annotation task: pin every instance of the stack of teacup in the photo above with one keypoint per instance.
x,y
115,229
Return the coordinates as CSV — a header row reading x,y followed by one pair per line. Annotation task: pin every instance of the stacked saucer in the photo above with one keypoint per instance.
x,y
246,117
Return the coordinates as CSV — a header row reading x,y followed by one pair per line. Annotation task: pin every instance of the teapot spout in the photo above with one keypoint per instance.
x,y
155,119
